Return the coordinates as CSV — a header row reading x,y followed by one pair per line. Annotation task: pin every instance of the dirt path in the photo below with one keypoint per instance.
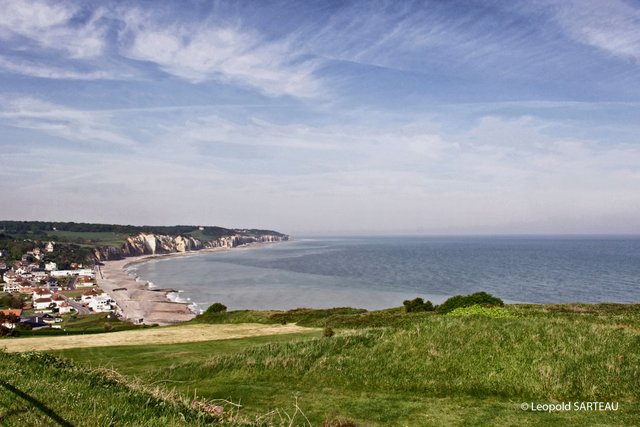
x,y
170,335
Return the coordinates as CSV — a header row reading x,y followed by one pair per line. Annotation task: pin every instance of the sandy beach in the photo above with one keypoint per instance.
x,y
138,303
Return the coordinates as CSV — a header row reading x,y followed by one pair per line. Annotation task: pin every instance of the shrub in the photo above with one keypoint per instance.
x,y
416,305
10,301
327,332
216,307
107,326
479,298
23,327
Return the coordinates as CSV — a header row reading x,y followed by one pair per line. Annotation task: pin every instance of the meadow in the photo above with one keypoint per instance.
x,y
89,238
394,368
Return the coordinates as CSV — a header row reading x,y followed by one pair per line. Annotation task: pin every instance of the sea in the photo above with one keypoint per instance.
x,y
382,272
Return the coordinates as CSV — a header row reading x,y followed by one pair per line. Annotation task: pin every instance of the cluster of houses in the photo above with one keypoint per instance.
x,y
44,286
48,306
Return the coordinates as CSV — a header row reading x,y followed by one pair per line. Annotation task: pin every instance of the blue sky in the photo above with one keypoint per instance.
x,y
324,117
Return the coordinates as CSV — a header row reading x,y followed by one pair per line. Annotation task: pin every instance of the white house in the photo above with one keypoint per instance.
x,y
58,300
11,287
65,308
49,247
42,303
87,296
39,275
83,272
41,293
101,303
10,277
50,266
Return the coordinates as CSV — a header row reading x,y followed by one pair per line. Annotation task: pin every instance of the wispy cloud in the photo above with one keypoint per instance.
x,y
58,40
54,26
432,38
612,26
32,69
259,133
221,46
216,51
86,127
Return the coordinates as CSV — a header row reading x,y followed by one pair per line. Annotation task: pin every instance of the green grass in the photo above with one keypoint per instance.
x,y
40,390
478,310
198,234
342,317
89,238
136,360
302,316
425,369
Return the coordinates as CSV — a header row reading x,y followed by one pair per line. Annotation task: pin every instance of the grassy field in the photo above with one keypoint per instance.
x,y
424,369
41,390
151,336
89,238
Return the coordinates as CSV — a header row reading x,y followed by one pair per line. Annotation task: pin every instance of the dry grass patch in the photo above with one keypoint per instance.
x,y
170,335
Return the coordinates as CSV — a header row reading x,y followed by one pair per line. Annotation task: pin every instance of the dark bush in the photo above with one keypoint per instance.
x,y
216,307
479,298
10,301
107,326
23,327
416,305
327,332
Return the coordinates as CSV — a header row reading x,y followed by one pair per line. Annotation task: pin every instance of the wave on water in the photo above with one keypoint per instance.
x,y
195,309
175,297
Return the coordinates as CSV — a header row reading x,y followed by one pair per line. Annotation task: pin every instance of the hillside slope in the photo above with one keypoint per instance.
x,y
39,389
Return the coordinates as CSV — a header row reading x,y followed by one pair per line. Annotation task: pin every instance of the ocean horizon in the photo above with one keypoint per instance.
x,y
376,272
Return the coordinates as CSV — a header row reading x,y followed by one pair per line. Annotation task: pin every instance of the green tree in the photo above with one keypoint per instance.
x,y
417,305
11,301
216,307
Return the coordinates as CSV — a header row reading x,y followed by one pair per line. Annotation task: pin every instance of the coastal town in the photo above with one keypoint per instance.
x,y
36,294
78,272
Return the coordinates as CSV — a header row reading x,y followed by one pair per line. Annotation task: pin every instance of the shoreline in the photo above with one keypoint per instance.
x,y
136,301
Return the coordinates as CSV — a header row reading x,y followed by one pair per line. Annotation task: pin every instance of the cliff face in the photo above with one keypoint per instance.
x,y
150,244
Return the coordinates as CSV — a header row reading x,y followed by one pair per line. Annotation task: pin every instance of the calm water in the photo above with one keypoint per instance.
x,y
382,272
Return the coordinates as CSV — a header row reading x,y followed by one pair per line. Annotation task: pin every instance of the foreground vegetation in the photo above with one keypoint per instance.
x,y
38,389
471,366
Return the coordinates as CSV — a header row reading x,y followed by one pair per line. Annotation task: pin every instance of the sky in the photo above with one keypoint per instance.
x,y
323,117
